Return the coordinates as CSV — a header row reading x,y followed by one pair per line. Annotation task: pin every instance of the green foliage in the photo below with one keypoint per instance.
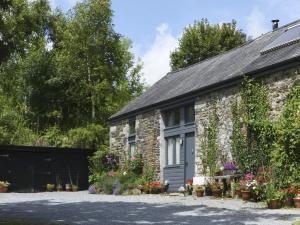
x,y
272,193
203,40
136,164
285,156
253,132
209,144
68,71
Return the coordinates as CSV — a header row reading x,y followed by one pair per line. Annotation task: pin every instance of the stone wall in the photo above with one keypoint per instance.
x,y
147,138
118,139
278,83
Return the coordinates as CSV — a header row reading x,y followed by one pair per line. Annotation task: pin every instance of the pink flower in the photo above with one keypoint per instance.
x,y
132,158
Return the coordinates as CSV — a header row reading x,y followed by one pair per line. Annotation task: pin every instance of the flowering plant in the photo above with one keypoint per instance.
x,y
136,163
110,162
290,192
248,182
189,186
229,166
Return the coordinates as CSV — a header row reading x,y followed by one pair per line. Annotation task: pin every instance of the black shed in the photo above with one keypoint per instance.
x,y
30,169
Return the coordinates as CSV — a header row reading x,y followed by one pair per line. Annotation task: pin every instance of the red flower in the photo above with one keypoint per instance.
x,y
189,182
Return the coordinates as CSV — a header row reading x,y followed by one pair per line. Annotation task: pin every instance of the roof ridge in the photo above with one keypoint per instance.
x,y
230,50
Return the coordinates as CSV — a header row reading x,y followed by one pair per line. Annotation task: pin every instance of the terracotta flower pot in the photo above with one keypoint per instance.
x,y
246,195
3,189
238,193
288,202
200,193
274,204
217,193
297,202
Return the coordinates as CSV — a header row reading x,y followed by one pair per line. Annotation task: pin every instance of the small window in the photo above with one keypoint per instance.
x,y
172,117
132,149
173,150
131,127
189,114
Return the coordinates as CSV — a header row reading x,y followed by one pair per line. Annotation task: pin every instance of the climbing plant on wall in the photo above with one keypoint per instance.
x,y
209,144
285,157
253,131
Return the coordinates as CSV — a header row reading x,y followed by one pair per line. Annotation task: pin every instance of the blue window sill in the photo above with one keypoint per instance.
x,y
173,166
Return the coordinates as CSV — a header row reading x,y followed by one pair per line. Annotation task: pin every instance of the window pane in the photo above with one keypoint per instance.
x,y
170,151
132,127
178,140
189,114
132,148
177,116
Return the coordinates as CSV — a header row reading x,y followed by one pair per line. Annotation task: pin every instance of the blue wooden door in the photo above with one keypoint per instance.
x,y
189,156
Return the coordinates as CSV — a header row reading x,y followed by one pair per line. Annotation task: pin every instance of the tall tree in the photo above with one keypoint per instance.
x,y
203,40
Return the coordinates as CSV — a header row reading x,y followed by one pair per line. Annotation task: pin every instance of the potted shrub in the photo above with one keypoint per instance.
x,y
245,186
207,189
274,197
189,187
75,187
4,186
297,200
68,187
216,189
199,190
289,195
155,187
50,187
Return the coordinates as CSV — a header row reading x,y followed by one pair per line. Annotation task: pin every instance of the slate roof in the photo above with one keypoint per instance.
x,y
229,65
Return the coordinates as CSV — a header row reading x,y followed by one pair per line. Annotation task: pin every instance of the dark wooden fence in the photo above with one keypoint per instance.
x,y
30,169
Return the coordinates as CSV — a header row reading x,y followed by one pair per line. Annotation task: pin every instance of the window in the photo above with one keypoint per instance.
x,y
173,150
189,114
172,117
131,126
131,138
132,149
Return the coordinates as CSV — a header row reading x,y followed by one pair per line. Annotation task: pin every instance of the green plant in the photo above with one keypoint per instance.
x,y
50,187
272,193
253,131
209,145
136,163
4,184
285,156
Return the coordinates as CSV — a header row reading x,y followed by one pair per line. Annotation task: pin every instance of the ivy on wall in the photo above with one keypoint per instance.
x,y
209,144
285,155
253,131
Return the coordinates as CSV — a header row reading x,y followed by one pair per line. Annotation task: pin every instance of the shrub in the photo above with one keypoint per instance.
x,y
136,164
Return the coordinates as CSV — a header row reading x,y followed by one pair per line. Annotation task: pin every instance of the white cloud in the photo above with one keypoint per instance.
x,y
255,23
156,60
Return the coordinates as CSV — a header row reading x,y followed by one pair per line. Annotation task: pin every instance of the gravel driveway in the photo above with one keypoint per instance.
x,y
82,208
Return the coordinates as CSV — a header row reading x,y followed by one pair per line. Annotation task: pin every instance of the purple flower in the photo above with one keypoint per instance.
x,y
229,166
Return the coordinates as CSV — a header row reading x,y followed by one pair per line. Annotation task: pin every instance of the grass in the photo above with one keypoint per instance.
x,y
25,222
296,222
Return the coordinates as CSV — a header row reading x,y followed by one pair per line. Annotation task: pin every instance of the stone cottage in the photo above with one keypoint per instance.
x,y
165,123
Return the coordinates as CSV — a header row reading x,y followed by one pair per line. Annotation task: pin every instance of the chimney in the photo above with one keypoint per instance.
x,y
275,24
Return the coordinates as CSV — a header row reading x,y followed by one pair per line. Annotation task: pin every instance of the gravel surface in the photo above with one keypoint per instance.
x,y
83,208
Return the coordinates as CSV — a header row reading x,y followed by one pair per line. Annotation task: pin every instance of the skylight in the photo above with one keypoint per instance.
x,y
289,37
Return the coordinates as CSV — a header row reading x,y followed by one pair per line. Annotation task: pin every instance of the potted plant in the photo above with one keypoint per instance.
x,y
274,197
245,186
50,187
207,189
199,190
189,187
236,189
229,168
289,195
297,200
216,189
68,187
4,186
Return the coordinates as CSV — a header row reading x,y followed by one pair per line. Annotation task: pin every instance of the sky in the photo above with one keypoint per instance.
x,y
154,26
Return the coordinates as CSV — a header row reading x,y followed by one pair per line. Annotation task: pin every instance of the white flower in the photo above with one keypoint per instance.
x,y
124,173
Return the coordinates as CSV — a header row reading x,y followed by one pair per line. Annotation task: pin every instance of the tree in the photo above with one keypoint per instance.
x,y
203,40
